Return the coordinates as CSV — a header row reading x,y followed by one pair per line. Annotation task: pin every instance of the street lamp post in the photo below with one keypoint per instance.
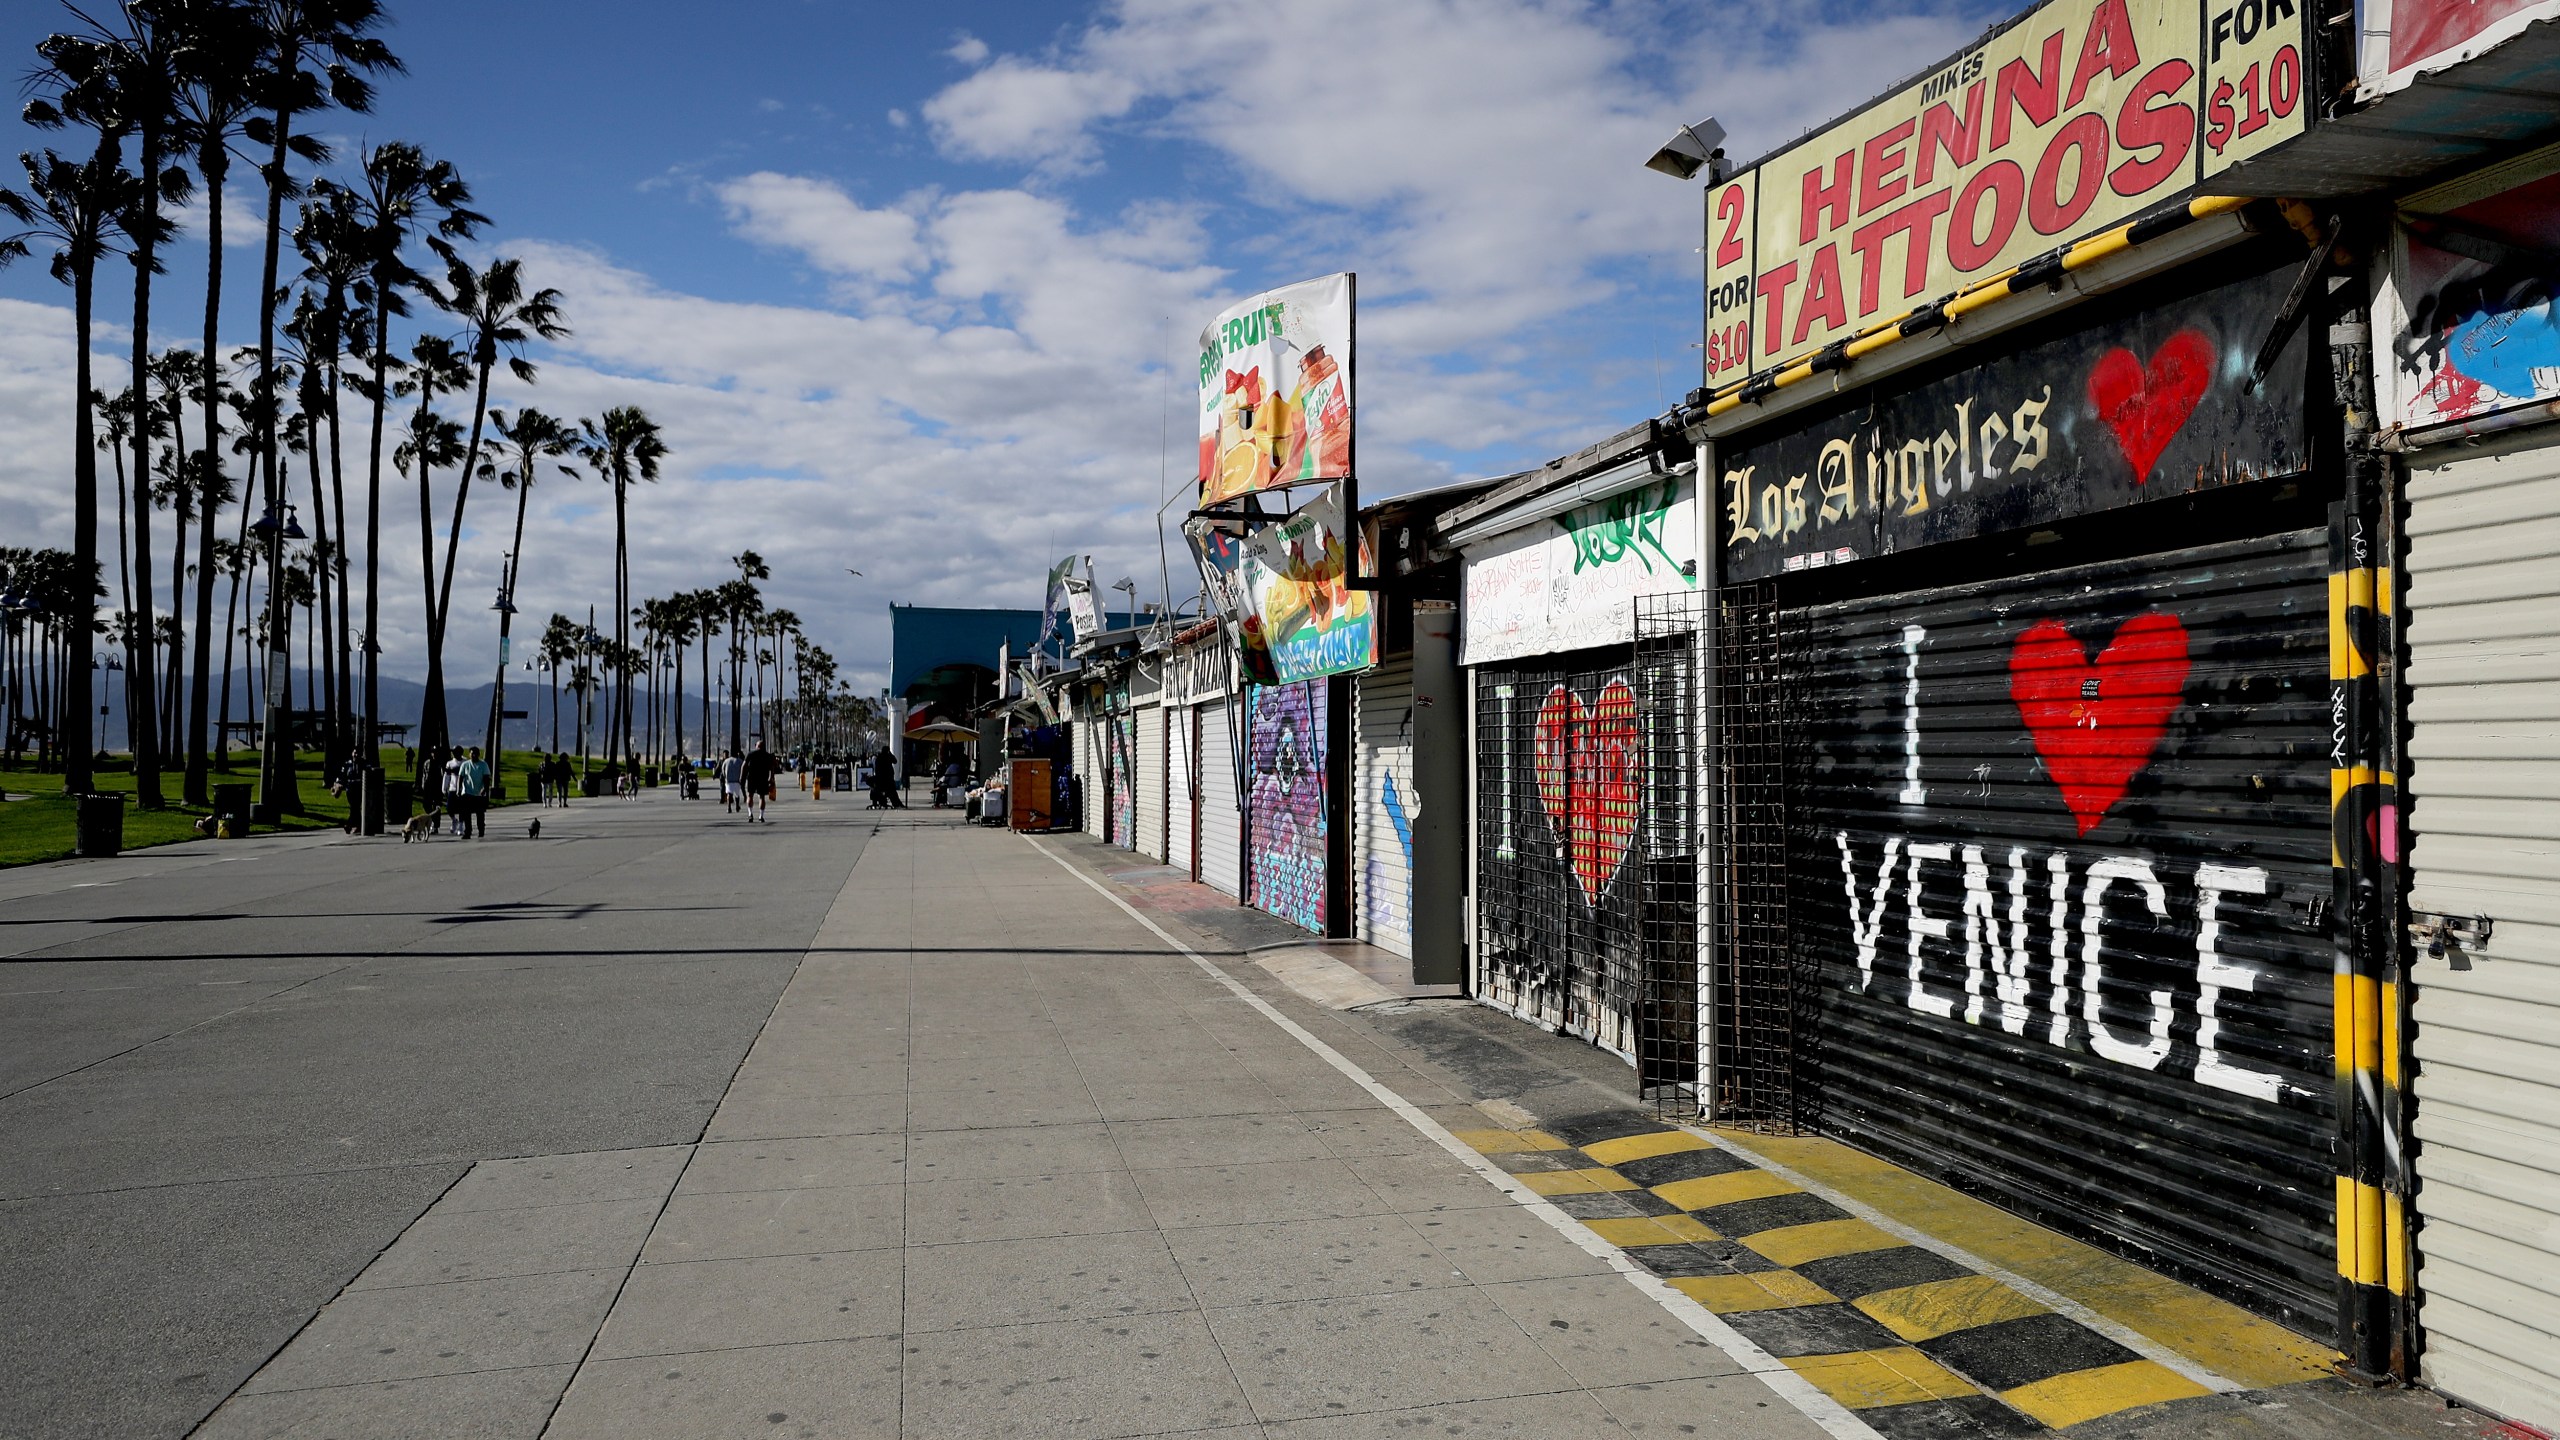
x,y
110,667
506,608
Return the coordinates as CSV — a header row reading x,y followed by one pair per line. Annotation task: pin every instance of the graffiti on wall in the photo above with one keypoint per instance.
x,y
2470,311
2153,403
1386,890
1570,583
1285,863
1588,779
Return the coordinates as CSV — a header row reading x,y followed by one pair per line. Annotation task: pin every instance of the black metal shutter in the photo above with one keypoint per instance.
x,y
2157,728
1561,844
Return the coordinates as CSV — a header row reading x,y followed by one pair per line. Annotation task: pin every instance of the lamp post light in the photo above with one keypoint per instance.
x,y
109,667
506,608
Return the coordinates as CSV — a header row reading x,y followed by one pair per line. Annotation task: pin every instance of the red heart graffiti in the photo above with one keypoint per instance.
x,y
2146,407
1587,779
2096,724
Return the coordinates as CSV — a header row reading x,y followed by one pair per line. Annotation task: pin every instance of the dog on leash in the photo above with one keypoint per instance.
x,y
421,826
533,831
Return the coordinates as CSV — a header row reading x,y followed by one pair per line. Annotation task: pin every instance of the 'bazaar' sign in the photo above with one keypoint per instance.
x,y
2077,116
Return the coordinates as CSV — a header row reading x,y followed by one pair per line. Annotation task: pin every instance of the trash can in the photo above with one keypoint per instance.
x,y
100,826
369,800
231,809
399,798
594,783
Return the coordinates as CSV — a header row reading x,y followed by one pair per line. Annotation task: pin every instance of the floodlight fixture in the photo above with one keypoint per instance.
x,y
1695,148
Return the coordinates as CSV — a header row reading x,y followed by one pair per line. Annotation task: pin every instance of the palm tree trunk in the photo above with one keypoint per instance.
x,y
431,721
622,610
76,776
333,742
124,585
373,534
230,630
141,714
213,163
279,774
453,536
346,631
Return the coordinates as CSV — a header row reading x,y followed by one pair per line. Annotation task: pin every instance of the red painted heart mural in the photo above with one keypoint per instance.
x,y
2096,722
1587,759
2146,405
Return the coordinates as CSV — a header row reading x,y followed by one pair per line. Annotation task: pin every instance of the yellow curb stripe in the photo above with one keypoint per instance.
x,y
1508,1142
1942,1307
1799,1244
1643,1147
1629,1232
1872,1379
1574,1182
1709,1191
2087,1394
1772,1290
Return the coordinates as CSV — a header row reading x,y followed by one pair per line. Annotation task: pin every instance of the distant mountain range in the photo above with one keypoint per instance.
x,y
468,706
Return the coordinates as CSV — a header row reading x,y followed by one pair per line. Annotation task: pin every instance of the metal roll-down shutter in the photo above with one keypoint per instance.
x,y
1289,735
2059,861
1182,805
1384,806
2483,613
1221,825
1149,821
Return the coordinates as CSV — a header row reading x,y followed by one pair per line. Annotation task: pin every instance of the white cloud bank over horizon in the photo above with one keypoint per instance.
x,y
989,374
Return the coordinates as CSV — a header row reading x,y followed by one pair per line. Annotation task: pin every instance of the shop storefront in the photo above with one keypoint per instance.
x,y
1291,825
2470,371
1562,863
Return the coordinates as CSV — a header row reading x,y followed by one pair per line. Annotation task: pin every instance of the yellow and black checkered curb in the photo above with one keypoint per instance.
x,y
1916,1343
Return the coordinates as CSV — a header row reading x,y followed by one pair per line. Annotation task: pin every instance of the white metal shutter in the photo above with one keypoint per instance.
x,y
1150,830
1180,809
1091,762
1384,808
2483,616
1221,825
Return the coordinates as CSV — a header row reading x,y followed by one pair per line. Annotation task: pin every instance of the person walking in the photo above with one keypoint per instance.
x,y
562,777
757,771
732,780
884,779
475,795
456,813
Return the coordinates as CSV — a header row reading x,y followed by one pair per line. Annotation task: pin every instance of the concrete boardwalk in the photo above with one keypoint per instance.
x,y
1003,1163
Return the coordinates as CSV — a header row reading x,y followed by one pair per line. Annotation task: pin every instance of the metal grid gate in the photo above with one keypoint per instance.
x,y
1557,913
1670,676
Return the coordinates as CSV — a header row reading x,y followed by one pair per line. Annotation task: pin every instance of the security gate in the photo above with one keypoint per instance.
x,y
2058,848
1559,773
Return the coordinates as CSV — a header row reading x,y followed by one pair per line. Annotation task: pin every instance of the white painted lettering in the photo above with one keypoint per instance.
x,y
2058,868
1924,926
2214,975
2103,873
1913,792
2008,962
1864,934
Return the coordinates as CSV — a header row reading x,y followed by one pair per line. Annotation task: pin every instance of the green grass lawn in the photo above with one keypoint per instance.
x,y
42,828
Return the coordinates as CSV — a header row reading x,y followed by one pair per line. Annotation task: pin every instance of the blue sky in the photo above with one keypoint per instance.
x,y
902,281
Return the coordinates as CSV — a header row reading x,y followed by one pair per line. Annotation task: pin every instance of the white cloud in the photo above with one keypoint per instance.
x,y
968,49
1014,112
823,224
898,118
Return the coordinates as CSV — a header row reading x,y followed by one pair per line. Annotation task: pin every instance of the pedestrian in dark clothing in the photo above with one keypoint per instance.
x,y
884,780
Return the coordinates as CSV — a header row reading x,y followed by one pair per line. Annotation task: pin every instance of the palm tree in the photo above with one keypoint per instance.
x,y
179,374
533,437
218,53
305,336
402,191
680,620
315,53
740,600
120,83
77,204
498,317
559,645
624,448
433,365
330,238
705,605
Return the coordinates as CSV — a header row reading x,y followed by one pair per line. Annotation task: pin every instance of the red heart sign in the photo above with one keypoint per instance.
x,y
2096,724
2146,406
1586,761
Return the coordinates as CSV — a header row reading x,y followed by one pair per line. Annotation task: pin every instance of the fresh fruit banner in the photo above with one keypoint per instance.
x,y
2147,400
1275,390
1301,607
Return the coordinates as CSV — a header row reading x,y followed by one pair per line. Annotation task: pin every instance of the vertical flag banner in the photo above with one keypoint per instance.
x,y
1080,604
1275,390
1053,602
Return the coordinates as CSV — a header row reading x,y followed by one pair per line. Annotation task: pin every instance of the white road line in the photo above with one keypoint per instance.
x,y
1834,1417
2122,1334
